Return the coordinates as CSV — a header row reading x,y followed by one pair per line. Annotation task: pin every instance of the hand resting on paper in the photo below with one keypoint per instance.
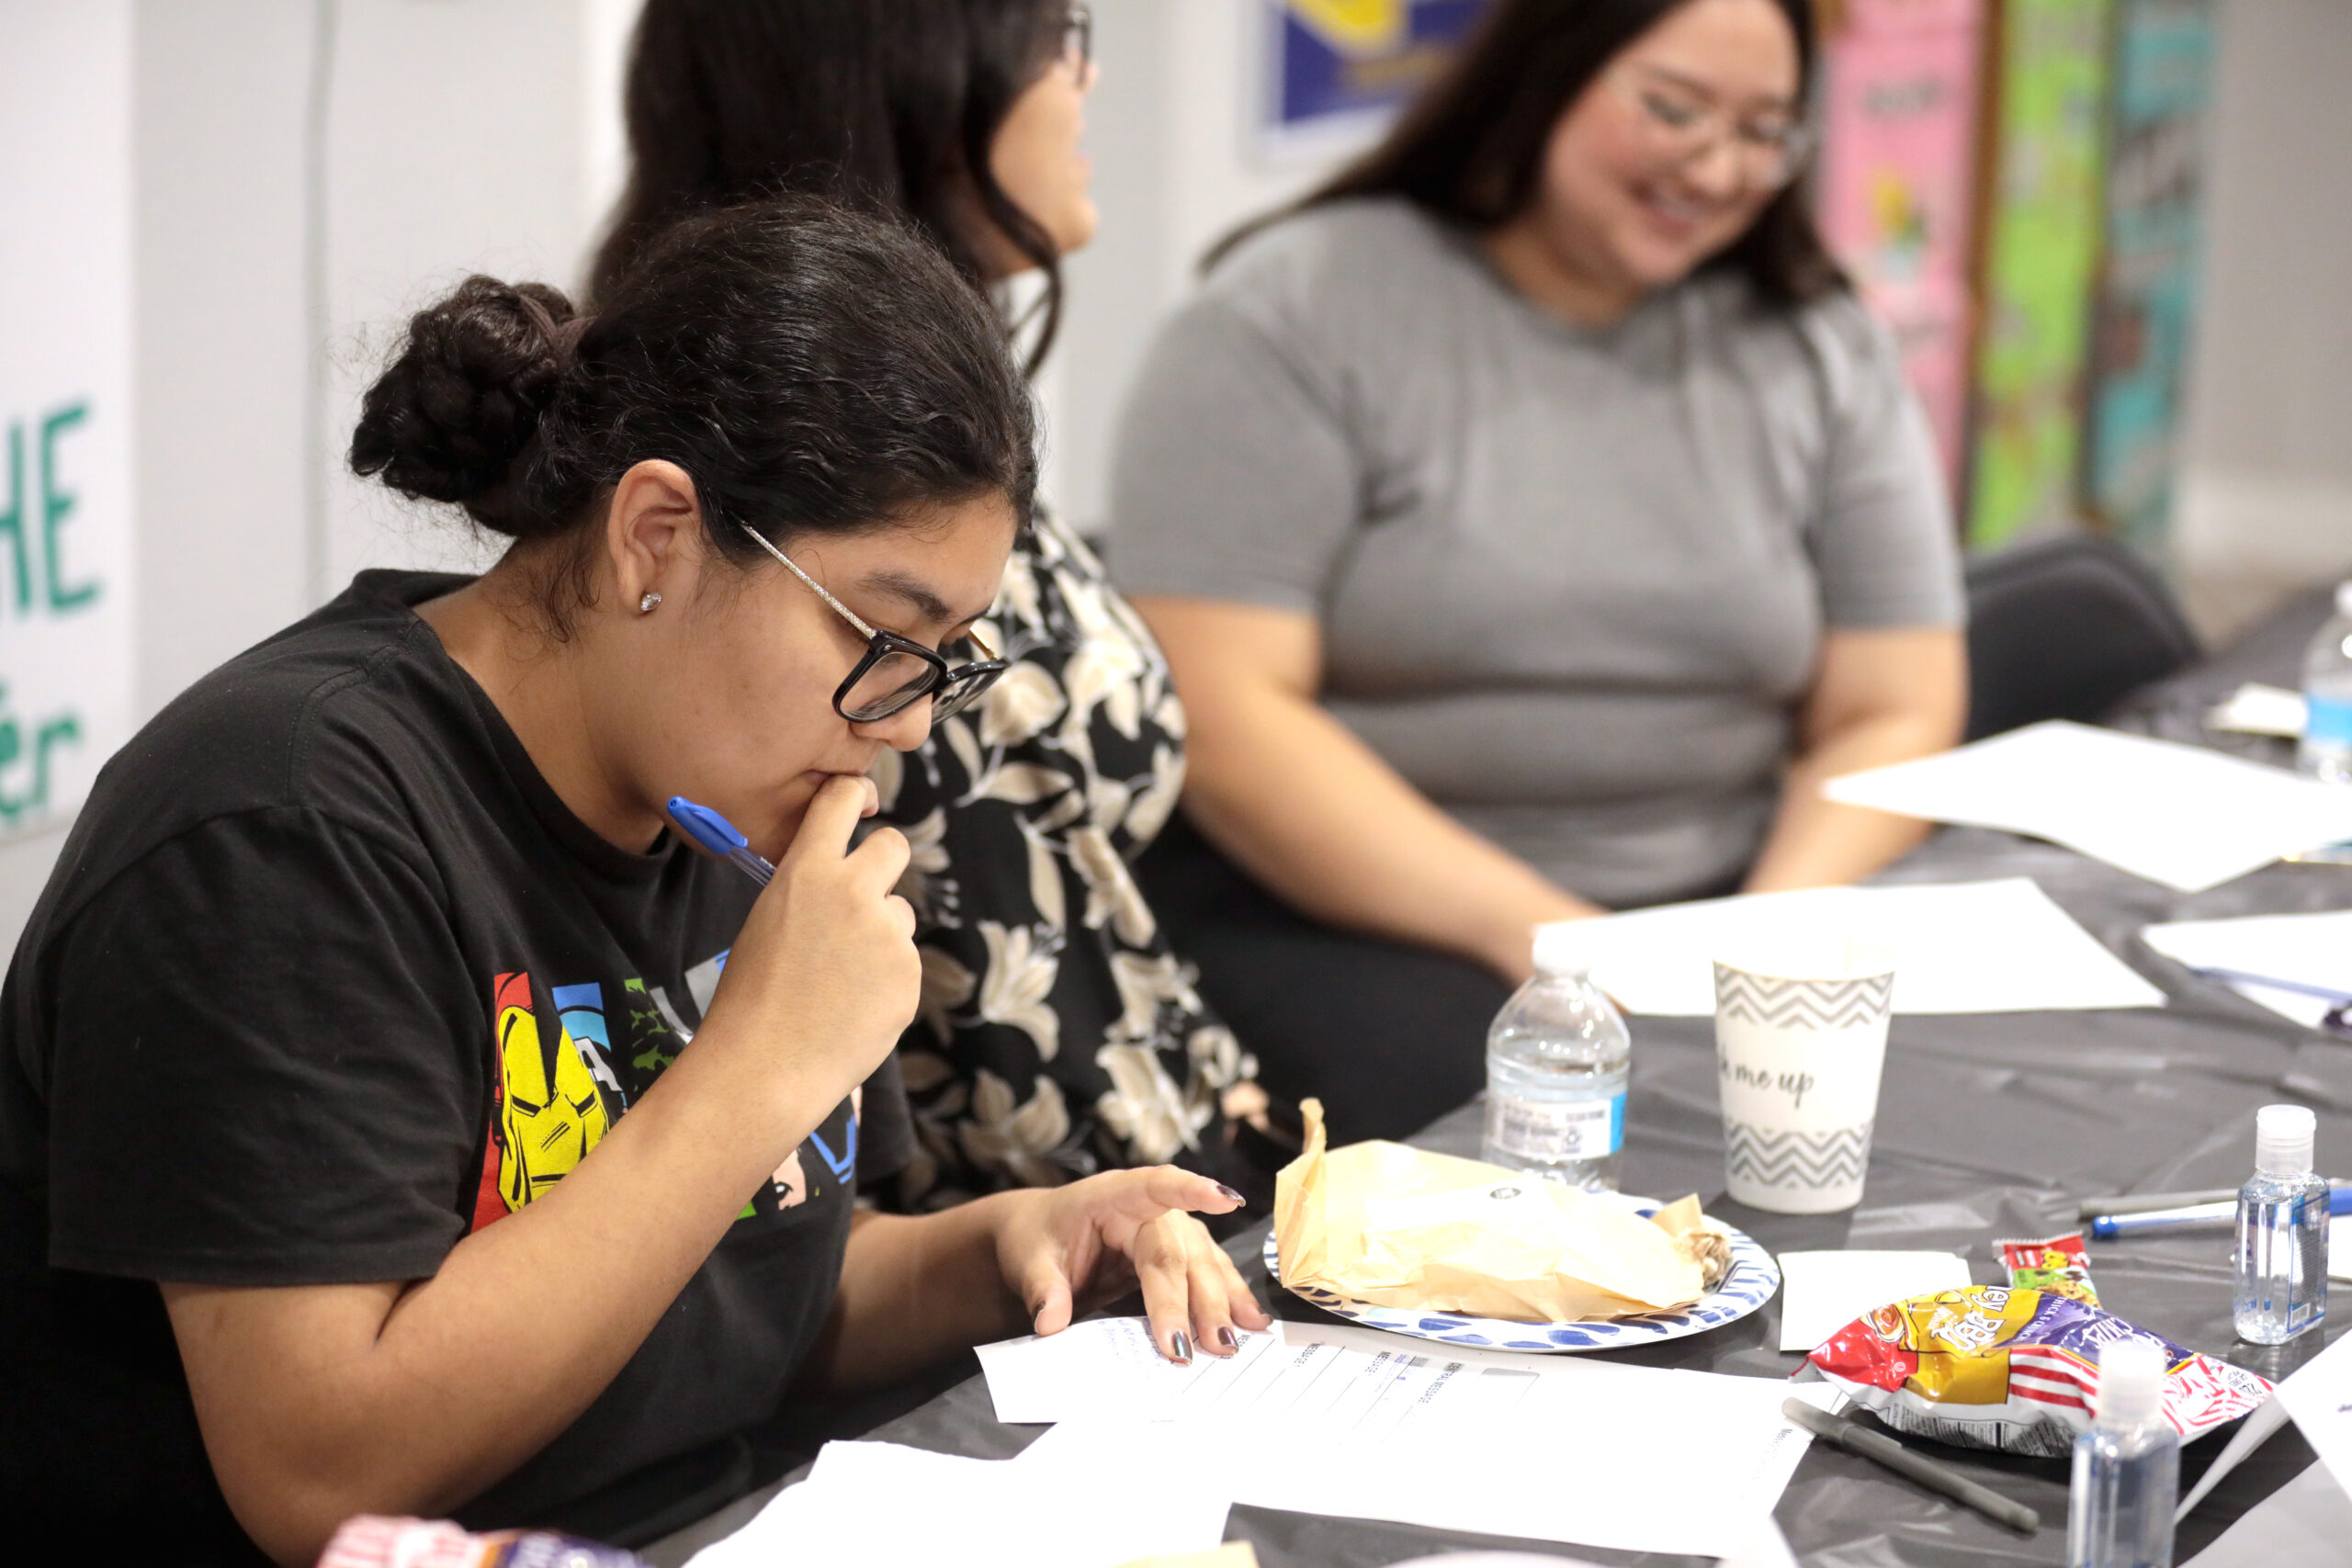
x,y
1068,1248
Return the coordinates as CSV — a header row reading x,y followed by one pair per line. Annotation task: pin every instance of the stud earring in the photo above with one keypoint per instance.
x,y
645,607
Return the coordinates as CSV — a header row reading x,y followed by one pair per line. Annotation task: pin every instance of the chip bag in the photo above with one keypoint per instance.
x,y
2054,1263
1997,1367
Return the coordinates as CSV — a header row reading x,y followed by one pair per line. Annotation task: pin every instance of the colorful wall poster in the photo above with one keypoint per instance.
x,y
67,669
2041,257
1896,187
1343,67
2147,286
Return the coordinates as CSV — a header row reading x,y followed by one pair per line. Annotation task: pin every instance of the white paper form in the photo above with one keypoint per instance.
x,y
1821,1292
1352,1423
1107,1369
2311,949
1999,946
2180,815
2319,1396
1081,1496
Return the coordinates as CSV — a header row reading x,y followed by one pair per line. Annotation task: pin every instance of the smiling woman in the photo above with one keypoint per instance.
x,y
1533,519
352,1155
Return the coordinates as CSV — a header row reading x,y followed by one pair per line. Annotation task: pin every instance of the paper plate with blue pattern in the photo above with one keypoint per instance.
x,y
1749,1283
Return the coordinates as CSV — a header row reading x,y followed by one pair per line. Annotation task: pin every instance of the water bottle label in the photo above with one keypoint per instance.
x,y
1551,1131
2327,721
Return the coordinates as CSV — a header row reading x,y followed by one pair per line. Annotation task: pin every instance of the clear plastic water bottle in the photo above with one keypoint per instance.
x,y
1557,1060
2127,1467
2282,1231
2327,751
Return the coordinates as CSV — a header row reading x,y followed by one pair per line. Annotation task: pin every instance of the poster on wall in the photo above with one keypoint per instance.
x,y
1896,187
1339,70
2147,294
2043,254
65,455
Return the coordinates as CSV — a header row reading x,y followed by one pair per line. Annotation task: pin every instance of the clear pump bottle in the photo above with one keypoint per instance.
x,y
2127,1467
2282,1231
1556,1067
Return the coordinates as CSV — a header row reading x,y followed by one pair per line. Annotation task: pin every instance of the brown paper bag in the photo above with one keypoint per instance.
x,y
1395,1226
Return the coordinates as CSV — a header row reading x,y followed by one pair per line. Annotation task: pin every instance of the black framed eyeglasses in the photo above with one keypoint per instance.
x,y
897,673
1078,39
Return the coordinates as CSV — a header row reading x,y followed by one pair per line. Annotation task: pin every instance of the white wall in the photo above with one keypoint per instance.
x,y
1176,164
457,138
2267,501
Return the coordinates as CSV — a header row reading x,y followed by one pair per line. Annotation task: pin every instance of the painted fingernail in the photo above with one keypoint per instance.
x,y
1229,1193
1180,1348
1230,1340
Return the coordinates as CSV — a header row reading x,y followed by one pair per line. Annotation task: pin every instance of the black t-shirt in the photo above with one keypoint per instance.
x,y
328,978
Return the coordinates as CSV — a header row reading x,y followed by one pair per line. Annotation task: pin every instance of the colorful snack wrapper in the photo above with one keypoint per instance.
x,y
371,1540
1995,1367
2053,1263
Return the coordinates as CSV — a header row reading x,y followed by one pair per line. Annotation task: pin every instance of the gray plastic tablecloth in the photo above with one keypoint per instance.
x,y
1988,1126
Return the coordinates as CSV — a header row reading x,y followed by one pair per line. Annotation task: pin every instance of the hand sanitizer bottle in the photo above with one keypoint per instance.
x,y
2282,1231
2127,1467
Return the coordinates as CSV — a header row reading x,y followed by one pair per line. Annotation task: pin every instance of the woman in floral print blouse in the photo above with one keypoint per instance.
x,y
1059,1034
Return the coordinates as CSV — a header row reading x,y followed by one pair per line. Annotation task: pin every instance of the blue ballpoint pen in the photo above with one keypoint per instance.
x,y
718,835
2195,1217
2328,994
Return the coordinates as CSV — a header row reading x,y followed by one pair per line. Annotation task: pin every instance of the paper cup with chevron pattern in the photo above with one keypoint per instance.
x,y
1800,1037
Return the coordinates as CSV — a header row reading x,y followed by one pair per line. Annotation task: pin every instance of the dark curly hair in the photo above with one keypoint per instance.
x,y
813,370
887,106
1471,149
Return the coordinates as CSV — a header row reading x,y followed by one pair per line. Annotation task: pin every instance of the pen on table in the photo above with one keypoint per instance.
x,y
2141,1202
718,835
1880,1449
2328,994
2216,1216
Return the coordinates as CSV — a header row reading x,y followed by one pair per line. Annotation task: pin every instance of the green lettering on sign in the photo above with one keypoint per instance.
x,y
55,507
12,521
50,734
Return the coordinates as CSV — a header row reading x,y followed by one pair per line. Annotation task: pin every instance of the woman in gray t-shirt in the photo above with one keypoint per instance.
x,y
1533,519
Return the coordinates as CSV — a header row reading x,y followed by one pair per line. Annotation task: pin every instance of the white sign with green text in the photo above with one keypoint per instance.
x,y
67,665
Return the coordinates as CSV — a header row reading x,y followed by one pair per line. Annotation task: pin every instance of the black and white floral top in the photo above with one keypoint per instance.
x,y
1058,1035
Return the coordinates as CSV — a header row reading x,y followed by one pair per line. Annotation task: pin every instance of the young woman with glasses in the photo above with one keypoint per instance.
x,y
395,1118
1533,519
1059,1033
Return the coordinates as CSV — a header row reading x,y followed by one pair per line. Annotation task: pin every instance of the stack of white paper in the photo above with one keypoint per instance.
x,y
1076,1498
2303,950
1973,947
2178,815
1357,1424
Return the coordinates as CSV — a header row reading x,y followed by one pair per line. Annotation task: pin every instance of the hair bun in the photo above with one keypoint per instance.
x,y
464,396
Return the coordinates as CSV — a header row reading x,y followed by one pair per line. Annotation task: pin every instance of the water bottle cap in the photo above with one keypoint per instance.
x,y
2282,1140
1557,955
2344,600
2131,1381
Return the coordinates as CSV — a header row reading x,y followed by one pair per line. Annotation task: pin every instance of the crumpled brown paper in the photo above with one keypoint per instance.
x,y
1461,1243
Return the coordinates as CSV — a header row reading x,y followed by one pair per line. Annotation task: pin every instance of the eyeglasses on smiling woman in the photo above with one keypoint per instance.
x,y
897,673
1685,121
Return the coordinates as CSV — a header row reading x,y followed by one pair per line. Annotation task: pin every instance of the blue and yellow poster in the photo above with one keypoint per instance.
x,y
1344,64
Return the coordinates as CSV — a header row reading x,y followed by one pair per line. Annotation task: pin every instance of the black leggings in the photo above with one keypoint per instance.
x,y
1388,1036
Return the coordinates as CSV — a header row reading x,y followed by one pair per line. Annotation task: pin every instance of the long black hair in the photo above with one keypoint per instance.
x,y
885,105
1471,149
814,371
